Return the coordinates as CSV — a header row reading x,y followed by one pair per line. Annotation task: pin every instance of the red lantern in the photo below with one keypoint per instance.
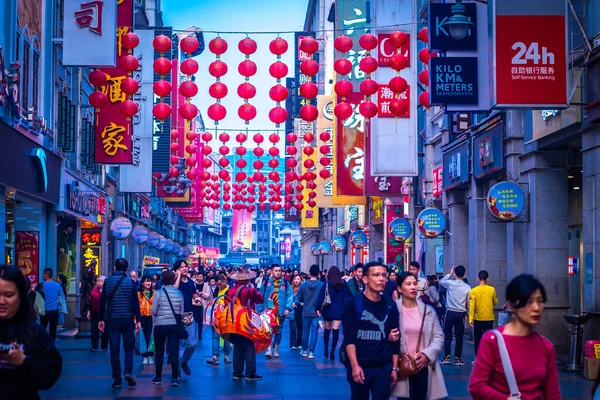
x,y
224,137
324,161
343,44
223,162
188,111
311,203
207,137
342,66
367,109
161,43
324,149
258,138
368,41
278,115
343,111
273,151
291,150
189,89
424,99
258,151
216,112
206,150
191,174
130,86
291,137
425,55
369,87
325,136
191,136
241,163
309,45
399,107
223,174
278,93
246,90
273,163
218,90
189,44
173,172
217,46
309,113
97,78
97,99
278,46
223,150
191,161
247,46
309,67
161,111
309,137
216,68
424,35
258,164
162,66
343,88
247,68
368,64
247,112
273,138
278,70
309,90
240,176
398,62
241,138
130,40
191,149
129,108
190,67
398,85
291,162
398,39
308,164
174,159
424,77
129,63
309,151
162,88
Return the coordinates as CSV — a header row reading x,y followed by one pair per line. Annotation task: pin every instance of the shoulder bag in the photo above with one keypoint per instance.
x,y
327,300
407,363
112,295
507,366
181,331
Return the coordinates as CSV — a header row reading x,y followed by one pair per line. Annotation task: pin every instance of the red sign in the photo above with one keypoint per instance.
x,y
302,56
113,139
385,96
350,162
28,254
394,250
386,50
531,66
438,182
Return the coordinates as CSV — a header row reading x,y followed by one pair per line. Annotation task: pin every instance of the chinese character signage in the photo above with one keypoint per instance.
x,y
438,182
376,210
351,20
399,229
386,50
384,98
241,231
530,54
91,249
454,80
359,239
89,32
350,166
338,243
431,222
287,247
394,249
439,29
27,253
506,200
314,249
114,136
325,247
299,77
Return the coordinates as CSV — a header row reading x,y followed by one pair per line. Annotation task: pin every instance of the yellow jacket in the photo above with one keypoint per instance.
x,y
483,300
145,305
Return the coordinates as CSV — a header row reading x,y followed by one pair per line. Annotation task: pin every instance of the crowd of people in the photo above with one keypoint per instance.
x,y
397,326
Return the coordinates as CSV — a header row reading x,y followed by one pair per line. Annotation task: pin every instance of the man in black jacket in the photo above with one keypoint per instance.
x,y
119,305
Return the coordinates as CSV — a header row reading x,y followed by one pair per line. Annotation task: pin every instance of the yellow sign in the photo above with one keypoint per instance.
x,y
150,261
325,125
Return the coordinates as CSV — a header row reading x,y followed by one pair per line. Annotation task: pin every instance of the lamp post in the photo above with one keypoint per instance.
x,y
458,24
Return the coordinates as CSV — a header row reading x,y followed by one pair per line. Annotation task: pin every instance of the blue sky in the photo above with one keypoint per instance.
x,y
239,16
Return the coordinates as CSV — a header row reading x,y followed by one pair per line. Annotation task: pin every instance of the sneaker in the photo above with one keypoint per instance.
x,y
303,353
145,360
332,355
458,361
446,360
176,382
186,369
268,354
238,377
276,353
116,384
130,380
151,360
213,361
311,355
227,359
94,350
253,377
157,380
293,347
472,362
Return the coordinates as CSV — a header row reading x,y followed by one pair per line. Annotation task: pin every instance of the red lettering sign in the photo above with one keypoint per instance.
x,y
386,50
438,182
384,98
90,16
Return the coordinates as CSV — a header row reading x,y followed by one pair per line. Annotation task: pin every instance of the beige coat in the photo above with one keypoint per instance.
x,y
433,337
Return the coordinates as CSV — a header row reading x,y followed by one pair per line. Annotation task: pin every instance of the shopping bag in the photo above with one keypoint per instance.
x,y
151,345
503,318
62,304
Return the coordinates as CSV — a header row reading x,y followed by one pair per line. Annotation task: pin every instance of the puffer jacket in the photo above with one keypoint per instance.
x,y
161,310
125,303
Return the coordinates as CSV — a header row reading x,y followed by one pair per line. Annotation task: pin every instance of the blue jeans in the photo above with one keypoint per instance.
x,y
310,326
277,337
190,342
216,344
116,328
377,383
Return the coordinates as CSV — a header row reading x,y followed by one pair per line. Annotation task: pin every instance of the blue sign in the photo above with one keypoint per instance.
x,y
153,240
440,37
400,229
454,80
431,222
338,243
456,166
589,268
325,247
169,246
314,249
162,243
506,200
488,156
359,239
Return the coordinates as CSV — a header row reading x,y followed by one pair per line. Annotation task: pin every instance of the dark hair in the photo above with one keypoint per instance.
x,y
359,265
221,277
49,272
145,278
483,275
335,277
168,277
402,277
414,264
274,266
24,318
460,271
155,277
314,270
370,265
520,289
177,264
211,278
121,264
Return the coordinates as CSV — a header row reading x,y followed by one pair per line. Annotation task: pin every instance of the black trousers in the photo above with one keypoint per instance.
x,y
50,317
147,332
454,321
166,334
479,328
98,336
243,351
377,384
299,327
417,385
199,319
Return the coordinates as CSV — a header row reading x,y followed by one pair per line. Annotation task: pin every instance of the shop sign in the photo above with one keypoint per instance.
x,y
488,151
84,203
530,52
341,229
338,243
456,166
140,234
359,239
325,124
385,97
153,240
91,255
162,242
169,246
438,181
241,231
376,210
394,249
150,261
386,50
350,165
27,254
325,247
439,32
314,249
91,236
589,267
506,200
454,80
121,228
353,213
439,259
351,18
287,247
431,222
399,229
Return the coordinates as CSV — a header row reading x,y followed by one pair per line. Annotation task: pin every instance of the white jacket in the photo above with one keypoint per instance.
x,y
433,337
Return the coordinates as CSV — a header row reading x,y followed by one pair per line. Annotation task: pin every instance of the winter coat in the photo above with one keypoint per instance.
x,y
125,303
285,297
161,309
338,297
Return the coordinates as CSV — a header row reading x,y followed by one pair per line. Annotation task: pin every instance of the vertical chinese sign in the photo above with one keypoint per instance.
x,y
241,231
394,250
27,247
114,136
351,18
91,251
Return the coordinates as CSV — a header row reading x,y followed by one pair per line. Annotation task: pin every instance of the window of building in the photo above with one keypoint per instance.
x,y
36,80
25,76
18,47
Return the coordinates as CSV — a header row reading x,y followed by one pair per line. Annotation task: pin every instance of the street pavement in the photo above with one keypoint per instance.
x,y
87,375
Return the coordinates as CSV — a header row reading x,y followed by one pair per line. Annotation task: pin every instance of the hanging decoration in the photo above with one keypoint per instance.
x,y
129,85
247,69
424,56
324,150
98,98
162,88
400,104
368,86
291,162
188,88
217,90
343,87
278,93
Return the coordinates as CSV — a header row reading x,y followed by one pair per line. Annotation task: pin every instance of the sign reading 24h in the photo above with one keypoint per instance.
x,y
431,222
506,200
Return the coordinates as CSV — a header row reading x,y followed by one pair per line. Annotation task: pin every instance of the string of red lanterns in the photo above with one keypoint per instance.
x,y
98,98
218,90
368,86
424,56
162,88
343,87
247,68
399,105
129,85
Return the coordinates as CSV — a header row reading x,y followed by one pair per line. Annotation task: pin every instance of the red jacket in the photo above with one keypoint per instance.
x,y
95,300
247,294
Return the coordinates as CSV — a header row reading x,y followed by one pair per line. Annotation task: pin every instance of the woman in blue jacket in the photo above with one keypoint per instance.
x,y
332,314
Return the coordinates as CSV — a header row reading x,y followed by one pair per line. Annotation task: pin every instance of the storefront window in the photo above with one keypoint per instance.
x,y
67,249
26,232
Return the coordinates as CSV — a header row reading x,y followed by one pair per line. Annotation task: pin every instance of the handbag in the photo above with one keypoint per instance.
x,y
188,318
181,331
327,300
407,363
507,366
62,303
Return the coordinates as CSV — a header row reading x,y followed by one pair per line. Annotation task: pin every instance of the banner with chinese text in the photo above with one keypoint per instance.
x,y
349,146
90,248
394,250
241,231
27,253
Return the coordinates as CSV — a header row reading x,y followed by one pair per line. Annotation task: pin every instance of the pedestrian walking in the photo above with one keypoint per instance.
x,y
421,337
332,313
371,347
434,296
120,314
94,316
52,292
190,298
199,307
415,268
514,359
296,323
167,307
145,298
481,308
457,299
29,360
220,290
311,295
36,299
391,288
356,284
88,282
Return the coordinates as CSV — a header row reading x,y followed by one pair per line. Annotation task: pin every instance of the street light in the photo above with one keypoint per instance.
x,y
458,24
